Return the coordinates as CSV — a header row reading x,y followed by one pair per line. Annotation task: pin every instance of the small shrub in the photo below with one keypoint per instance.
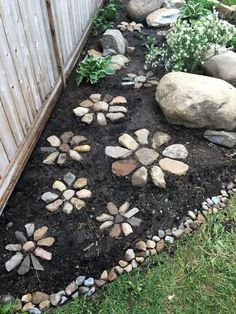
x,y
92,69
187,43
233,41
148,41
193,10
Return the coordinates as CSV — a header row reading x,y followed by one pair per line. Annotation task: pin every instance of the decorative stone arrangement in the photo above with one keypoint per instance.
x,y
28,249
70,194
121,220
143,156
134,256
130,27
68,146
140,80
99,109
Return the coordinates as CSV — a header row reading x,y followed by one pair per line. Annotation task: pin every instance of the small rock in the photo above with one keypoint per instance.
x,y
119,61
89,282
127,229
115,231
173,166
43,254
49,197
146,156
127,83
100,283
72,287
54,141
75,156
161,234
45,305
39,297
54,206
128,268
88,118
118,109
123,263
115,117
68,194
108,98
101,119
80,111
177,233
117,152
176,151
62,159
141,246
80,183
104,275
113,39
77,139
119,270
48,149
142,136
100,106
155,238
129,255
169,239
51,158
106,225
20,237
131,212
123,168
162,17
28,246
150,244
160,245
91,291
216,200
95,97
139,260
13,247
191,215
135,222
84,193
56,298
140,79
36,264
139,177
13,262
30,228
58,185
83,289
64,148
158,177
123,208
112,209
27,307
34,310
5,299
128,142
66,136
26,298
64,299
87,103
78,204
80,280
119,219
112,276
40,233
46,241
159,139
104,217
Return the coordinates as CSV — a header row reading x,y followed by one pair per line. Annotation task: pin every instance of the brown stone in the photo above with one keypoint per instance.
x,y
200,218
43,254
141,246
64,148
124,167
39,297
45,305
173,166
26,307
94,53
115,231
99,282
80,183
160,245
46,242
86,103
29,245
82,148
118,100
112,276
40,233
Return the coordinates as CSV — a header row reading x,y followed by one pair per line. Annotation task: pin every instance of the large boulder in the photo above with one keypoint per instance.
x,y
139,9
162,17
197,101
222,66
113,39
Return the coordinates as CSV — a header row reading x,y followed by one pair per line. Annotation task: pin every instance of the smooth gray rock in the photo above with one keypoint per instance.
x,y
89,282
69,178
115,116
139,9
142,136
24,267
146,156
175,151
227,139
49,197
113,39
20,236
80,280
139,177
13,262
162,17
30,228
117,152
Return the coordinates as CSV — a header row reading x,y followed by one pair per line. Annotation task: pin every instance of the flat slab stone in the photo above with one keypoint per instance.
x,y
128,142
100,106
123,168
175,151
117,152
158,177
159,139
54,141
13,262
174,166
115,116
162,17
142,136
139,177
24,267
146,156
49,197
87,103
227,139
119,61
118,109
80,111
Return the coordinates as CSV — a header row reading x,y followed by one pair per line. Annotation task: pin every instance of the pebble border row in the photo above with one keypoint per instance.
x,y
38,301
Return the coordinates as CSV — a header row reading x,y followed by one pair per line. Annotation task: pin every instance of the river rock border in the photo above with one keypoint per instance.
x,y
39,301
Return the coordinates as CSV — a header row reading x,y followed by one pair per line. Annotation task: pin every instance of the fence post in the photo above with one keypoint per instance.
x,y
56,43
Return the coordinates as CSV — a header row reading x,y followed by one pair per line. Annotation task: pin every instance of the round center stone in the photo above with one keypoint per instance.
x,y
119,219
146,156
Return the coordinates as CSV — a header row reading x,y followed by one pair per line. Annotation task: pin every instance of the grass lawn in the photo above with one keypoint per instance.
x,y
230,2
200,279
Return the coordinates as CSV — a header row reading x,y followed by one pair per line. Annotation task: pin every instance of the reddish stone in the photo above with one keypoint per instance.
x,y
115,231
64,148
124,167
160,245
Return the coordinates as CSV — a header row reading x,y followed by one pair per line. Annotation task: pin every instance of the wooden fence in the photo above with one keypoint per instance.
x,y
40,44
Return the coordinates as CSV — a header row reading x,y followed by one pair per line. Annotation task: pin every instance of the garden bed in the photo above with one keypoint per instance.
x,y
80,248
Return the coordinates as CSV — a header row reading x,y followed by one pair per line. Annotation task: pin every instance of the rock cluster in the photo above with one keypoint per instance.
x,y
130,27
140,80
68,147
100,109
28,249
143,157
68,194
119,221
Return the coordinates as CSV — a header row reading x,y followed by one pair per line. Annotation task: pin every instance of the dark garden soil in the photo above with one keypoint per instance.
x,y
209,167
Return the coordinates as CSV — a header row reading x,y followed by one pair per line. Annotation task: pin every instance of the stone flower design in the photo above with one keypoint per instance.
x,y
101,109
143,158
28,249
120,221
130,27
67,147
68,194
140,80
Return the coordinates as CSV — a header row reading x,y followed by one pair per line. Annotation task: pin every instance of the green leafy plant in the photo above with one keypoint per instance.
x,y
207,4
103,20
148,41
233,41
193,10
187,43
5,308
92,69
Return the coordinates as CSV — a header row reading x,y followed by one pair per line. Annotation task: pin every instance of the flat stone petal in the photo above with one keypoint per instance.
x,y
88,118
49,197
24,267
117,152
173,166
131,212
66,136
127,229
28,246
159,139
43,254
118,100
13,247
139,177
58,185
112,209
135,222
54,141
79,204
176,151
54,206
69,178
128,142
106,225
75,155
51,158
80,183
40,233
20,236
123,208
62,159
95,97
77,139
122,168
46,241
104,217
30,228
115,231
115,116
82,148
36,264
158,177
86,103
101,119
142,136
146,156
80,111
13,262
68,194
118,109
100,106
67,208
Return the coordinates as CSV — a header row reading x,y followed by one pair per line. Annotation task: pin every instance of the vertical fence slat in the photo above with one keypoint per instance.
x,y
4,160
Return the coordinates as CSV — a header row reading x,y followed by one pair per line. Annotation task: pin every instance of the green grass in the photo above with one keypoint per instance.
x,y
230,2
199,279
